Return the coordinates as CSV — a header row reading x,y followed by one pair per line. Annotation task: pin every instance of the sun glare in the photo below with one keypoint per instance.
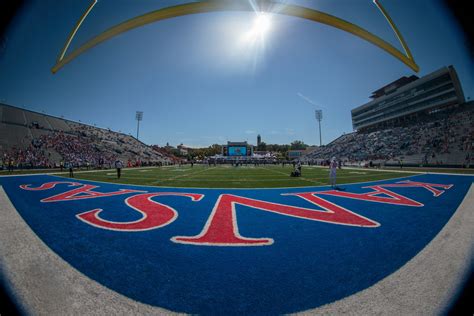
x,y
244,40
262,23
260,27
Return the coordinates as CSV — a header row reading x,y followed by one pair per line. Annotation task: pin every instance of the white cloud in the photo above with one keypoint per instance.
x,y
302,96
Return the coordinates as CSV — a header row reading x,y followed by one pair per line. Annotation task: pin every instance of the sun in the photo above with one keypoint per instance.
x,y
260,28
262,24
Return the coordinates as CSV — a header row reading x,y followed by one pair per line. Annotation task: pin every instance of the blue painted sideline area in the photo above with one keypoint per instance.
x,y
176,250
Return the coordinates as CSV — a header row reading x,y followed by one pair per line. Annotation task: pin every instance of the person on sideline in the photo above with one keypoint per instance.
x,y
118,166
332,172
69,166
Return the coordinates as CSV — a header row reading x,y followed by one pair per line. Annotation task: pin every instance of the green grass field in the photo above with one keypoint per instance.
x,y
227,176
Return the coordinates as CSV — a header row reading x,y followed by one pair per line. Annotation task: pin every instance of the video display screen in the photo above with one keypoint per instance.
x,y
237,151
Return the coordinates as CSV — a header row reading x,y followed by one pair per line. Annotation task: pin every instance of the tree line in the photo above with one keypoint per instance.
x,y
215,149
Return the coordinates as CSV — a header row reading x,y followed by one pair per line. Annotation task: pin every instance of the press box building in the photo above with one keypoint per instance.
x,y
409,97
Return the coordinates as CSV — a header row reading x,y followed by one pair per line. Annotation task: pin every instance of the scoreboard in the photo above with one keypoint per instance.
x,y
237,149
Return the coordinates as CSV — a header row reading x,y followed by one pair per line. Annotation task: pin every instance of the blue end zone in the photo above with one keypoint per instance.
x,y
310,263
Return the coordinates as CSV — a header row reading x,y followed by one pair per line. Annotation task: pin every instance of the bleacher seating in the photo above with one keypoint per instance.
x,y
58,124
14,135
441,139
37,140
13,115
33,118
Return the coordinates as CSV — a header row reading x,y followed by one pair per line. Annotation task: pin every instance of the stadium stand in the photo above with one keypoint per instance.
x,y
32,140
444,138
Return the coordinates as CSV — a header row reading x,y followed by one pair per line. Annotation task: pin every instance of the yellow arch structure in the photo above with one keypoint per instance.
x,y
236,5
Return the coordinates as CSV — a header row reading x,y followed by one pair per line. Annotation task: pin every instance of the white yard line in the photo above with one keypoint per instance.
x,y
225,188
286,174
372,170
184,175
227,180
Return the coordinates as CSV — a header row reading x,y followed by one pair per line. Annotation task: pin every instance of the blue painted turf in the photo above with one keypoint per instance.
x,y
310,263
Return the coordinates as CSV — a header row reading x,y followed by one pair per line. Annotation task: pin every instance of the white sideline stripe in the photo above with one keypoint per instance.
x,y
411,171
45,284
75,171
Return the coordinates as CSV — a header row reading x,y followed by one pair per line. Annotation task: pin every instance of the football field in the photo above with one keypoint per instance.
x,y
227,176
181,246
385,246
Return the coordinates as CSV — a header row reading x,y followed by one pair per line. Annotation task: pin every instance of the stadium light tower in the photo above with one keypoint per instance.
x,y
138,117
319,118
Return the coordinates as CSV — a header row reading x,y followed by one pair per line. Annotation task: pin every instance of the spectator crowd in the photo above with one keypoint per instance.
x,y
424,140
81,146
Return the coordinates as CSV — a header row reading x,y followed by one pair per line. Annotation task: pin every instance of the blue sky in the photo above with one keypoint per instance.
x,y
197,85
